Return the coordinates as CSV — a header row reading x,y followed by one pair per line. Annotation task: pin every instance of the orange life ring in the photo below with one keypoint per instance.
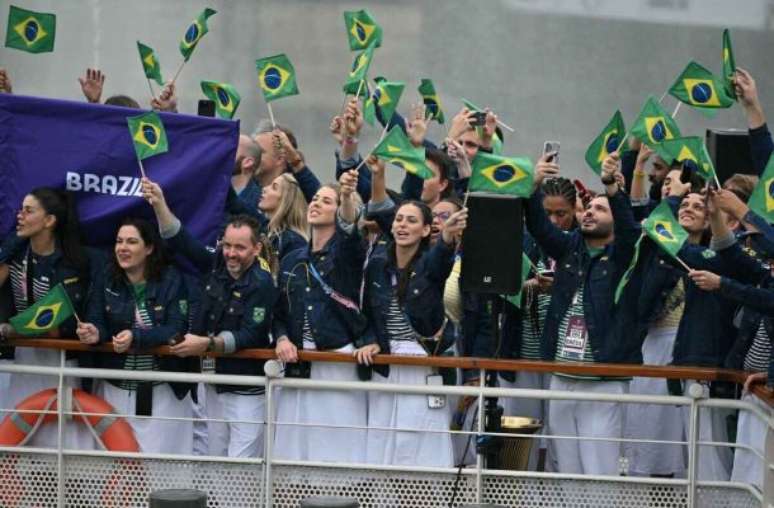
x,y
114,432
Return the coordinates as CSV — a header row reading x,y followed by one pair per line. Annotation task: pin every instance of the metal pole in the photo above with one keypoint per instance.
x,y
768,464
60,431
695,391
480,429
268,440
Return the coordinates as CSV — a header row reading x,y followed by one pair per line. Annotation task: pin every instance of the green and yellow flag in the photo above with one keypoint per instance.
x,y
628,273
690,148
501,175
225,96
362,30
276,77
30,31
497,143
150,63
433,110
46,314
359,72
148,135
662,227
653,125
729,66
606,143
195,32
386,95
762,199
698,87
396,149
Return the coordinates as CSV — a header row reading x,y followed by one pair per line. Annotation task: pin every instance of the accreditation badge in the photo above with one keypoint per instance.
x,y
575,338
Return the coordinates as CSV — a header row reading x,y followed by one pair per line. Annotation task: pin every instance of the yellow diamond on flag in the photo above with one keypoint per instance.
x,y
30,30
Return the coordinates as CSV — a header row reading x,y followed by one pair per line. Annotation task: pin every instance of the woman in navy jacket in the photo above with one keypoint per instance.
x,y
141,304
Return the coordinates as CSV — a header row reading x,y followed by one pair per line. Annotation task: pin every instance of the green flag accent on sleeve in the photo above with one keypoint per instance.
x,y
729,66
396,149
608,141
150,63
225,96
148,135
690,148
433,109
662,227
628,273
359,71
276,77
762,199
699,88
653,125
501,175
30,31
46,314
195,32
386,95
362,30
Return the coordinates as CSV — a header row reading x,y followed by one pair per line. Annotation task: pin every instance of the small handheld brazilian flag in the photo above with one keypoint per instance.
x,y
497,143
628,273
148,135
433,110
690,148
698,87
762,198
150,63
501,175
386,95
606,143
276,77
225,97
30,31
653,125
195,32
396,149
359,72
362,30
662,227
729,66
46,314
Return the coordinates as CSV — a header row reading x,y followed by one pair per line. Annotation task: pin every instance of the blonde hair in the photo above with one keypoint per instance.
x,y
291,211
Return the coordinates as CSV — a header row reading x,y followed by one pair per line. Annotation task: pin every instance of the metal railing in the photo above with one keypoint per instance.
x,y
479,474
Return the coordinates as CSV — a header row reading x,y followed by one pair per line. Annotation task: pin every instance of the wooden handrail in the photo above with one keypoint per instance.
x,y
587,369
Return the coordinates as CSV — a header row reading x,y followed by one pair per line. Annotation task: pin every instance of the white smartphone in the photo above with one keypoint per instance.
x,y
552,147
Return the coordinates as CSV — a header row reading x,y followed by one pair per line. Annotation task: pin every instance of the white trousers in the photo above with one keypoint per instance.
x,y
585,419
713,463
751,431
325,408
200,442
532,408
237,438
76,435
154,435
402,411
653,421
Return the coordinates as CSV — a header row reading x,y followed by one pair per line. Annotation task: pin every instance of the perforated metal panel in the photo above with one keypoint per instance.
x,y
31,481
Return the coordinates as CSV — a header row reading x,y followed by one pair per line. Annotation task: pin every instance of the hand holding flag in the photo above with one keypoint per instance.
x,y
46,314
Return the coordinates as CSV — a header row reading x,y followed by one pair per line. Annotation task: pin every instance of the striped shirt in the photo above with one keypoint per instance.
x,y
142,319
396,322
18,275
532,324
757,358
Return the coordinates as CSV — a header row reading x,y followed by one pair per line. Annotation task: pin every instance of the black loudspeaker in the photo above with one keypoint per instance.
x,y
492,244
729,150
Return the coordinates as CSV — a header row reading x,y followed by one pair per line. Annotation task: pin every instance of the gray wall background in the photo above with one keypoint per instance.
x,y
552,69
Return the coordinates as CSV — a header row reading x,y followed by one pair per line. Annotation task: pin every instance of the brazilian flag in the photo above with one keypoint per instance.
x,y
224,96
30,31
148,135
195,32
662,227
276,77
433,110
698,87
150,63
729,66
501,175
497,143
359,72
396,149
654,125
606,143
386,96
46,314
687,149
628,273
762,199
362,30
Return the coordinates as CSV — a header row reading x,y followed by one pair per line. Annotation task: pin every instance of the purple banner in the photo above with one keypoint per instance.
x,y
87,149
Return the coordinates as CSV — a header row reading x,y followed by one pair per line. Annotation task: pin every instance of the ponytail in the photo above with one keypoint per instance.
x,y
67,230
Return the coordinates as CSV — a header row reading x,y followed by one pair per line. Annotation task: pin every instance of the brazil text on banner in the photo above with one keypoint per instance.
x,y
87,149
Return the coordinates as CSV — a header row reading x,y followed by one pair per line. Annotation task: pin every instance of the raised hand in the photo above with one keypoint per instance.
x,y
91,85
416,128
167,99
5,81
